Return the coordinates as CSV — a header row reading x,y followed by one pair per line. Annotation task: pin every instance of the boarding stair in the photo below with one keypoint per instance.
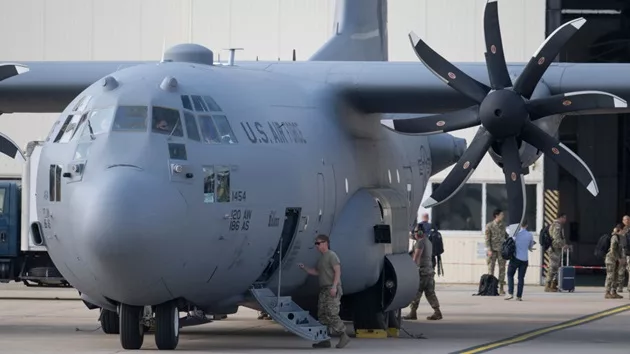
x,y
286,312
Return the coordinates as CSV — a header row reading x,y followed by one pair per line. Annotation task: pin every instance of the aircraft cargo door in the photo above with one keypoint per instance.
x,y
326,203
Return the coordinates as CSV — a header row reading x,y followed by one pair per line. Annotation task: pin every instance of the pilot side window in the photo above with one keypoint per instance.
x,y
227,135
82,104
68,129
130,118
208,130
191,126
208,184
200,105
166,121
54,184
223,183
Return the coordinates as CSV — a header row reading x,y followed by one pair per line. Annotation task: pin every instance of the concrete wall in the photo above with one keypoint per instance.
x,y
267,29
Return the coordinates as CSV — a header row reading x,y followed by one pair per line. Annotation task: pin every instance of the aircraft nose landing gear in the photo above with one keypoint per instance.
x,y
167,325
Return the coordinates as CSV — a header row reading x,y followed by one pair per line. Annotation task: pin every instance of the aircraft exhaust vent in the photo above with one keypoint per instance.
x,y
189,53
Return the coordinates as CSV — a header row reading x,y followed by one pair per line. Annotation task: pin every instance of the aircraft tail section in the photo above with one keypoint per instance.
x,y
360,32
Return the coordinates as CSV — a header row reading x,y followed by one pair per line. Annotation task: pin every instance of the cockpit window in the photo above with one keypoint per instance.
x,y
82,104
186,102
191,126
208,130
227,135
131,118
69,128
98,122
212,104
200,105
166,121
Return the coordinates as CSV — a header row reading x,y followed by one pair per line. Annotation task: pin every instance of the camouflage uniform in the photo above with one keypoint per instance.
x,y
327,305
555,255
615,254
427,281
495,235
621,275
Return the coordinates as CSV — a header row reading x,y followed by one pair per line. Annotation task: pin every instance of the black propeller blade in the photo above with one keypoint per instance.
x,y
440,123
10,70
447,72
506,114
543,57
495,58
574,102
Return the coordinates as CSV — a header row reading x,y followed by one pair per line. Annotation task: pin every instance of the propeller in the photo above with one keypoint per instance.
x,y
505,113
10,70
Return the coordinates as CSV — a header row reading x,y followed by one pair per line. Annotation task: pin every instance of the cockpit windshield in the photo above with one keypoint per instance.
x,y
167,121
131,118
99,121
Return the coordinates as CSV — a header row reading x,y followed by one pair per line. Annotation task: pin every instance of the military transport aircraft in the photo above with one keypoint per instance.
x,y
182,184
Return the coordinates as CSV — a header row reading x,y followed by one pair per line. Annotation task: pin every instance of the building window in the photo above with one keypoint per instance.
x,y
496,198
462,212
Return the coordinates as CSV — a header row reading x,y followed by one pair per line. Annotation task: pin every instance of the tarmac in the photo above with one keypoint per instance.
x,y
36,320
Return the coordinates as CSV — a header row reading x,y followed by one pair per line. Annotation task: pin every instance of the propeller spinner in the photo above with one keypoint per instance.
x,y
505,113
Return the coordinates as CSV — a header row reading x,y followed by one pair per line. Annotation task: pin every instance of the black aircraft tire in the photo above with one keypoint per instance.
x,y
131,329
110,323
166,326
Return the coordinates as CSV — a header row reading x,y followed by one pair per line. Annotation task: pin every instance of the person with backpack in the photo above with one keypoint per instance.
x,y
615,259
623,240
495,235
422,254
524,243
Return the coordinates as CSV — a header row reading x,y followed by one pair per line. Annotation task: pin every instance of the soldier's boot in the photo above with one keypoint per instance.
x,y
614,295
501,289
343,341
608,296
619,290
437,315
548,287
554,286
412,315
323,344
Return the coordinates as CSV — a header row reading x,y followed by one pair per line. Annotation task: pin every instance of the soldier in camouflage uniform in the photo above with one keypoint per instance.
x,y
495,235
558,243
330,291
623,235
422,256
615,259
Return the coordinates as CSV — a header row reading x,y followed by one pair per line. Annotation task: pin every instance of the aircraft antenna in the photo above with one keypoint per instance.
x,y
163,49
293,54
232,54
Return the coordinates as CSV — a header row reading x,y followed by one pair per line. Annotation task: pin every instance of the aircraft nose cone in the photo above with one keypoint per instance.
x,y
130,223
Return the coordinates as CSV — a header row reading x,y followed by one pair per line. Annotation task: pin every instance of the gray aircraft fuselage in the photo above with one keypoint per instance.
x,y
129,217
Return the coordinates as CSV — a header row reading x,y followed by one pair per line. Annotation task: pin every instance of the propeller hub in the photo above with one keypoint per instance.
x,y
503,113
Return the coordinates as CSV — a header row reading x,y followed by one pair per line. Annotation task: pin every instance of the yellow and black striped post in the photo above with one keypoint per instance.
x,y
551,209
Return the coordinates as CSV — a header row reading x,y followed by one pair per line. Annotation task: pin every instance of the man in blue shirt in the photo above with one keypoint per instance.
x,y
524,241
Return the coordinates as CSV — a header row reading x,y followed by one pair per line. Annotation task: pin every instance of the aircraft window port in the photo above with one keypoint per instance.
x,y
131,118
166,121
52,130
100,122
200,105
82,151
223,184
2,194
211,104
177,151
54,184
82,104
227,135
68,128
208,184
209,130
191,126
186,102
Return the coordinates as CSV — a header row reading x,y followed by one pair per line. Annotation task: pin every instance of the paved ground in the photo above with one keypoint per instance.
x,y
66,326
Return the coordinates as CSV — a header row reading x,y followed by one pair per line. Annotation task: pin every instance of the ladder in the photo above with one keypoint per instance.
x,y
286,312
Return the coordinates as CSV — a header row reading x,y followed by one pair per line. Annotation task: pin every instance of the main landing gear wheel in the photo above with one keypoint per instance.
x,y
110,323
167,326
131,328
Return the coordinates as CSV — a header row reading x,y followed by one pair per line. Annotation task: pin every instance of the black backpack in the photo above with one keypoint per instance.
x,y
508,249
603,245
438,248
544,238
488,286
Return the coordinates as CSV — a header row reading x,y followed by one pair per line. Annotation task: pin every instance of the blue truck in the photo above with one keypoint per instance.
x,y
23,257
